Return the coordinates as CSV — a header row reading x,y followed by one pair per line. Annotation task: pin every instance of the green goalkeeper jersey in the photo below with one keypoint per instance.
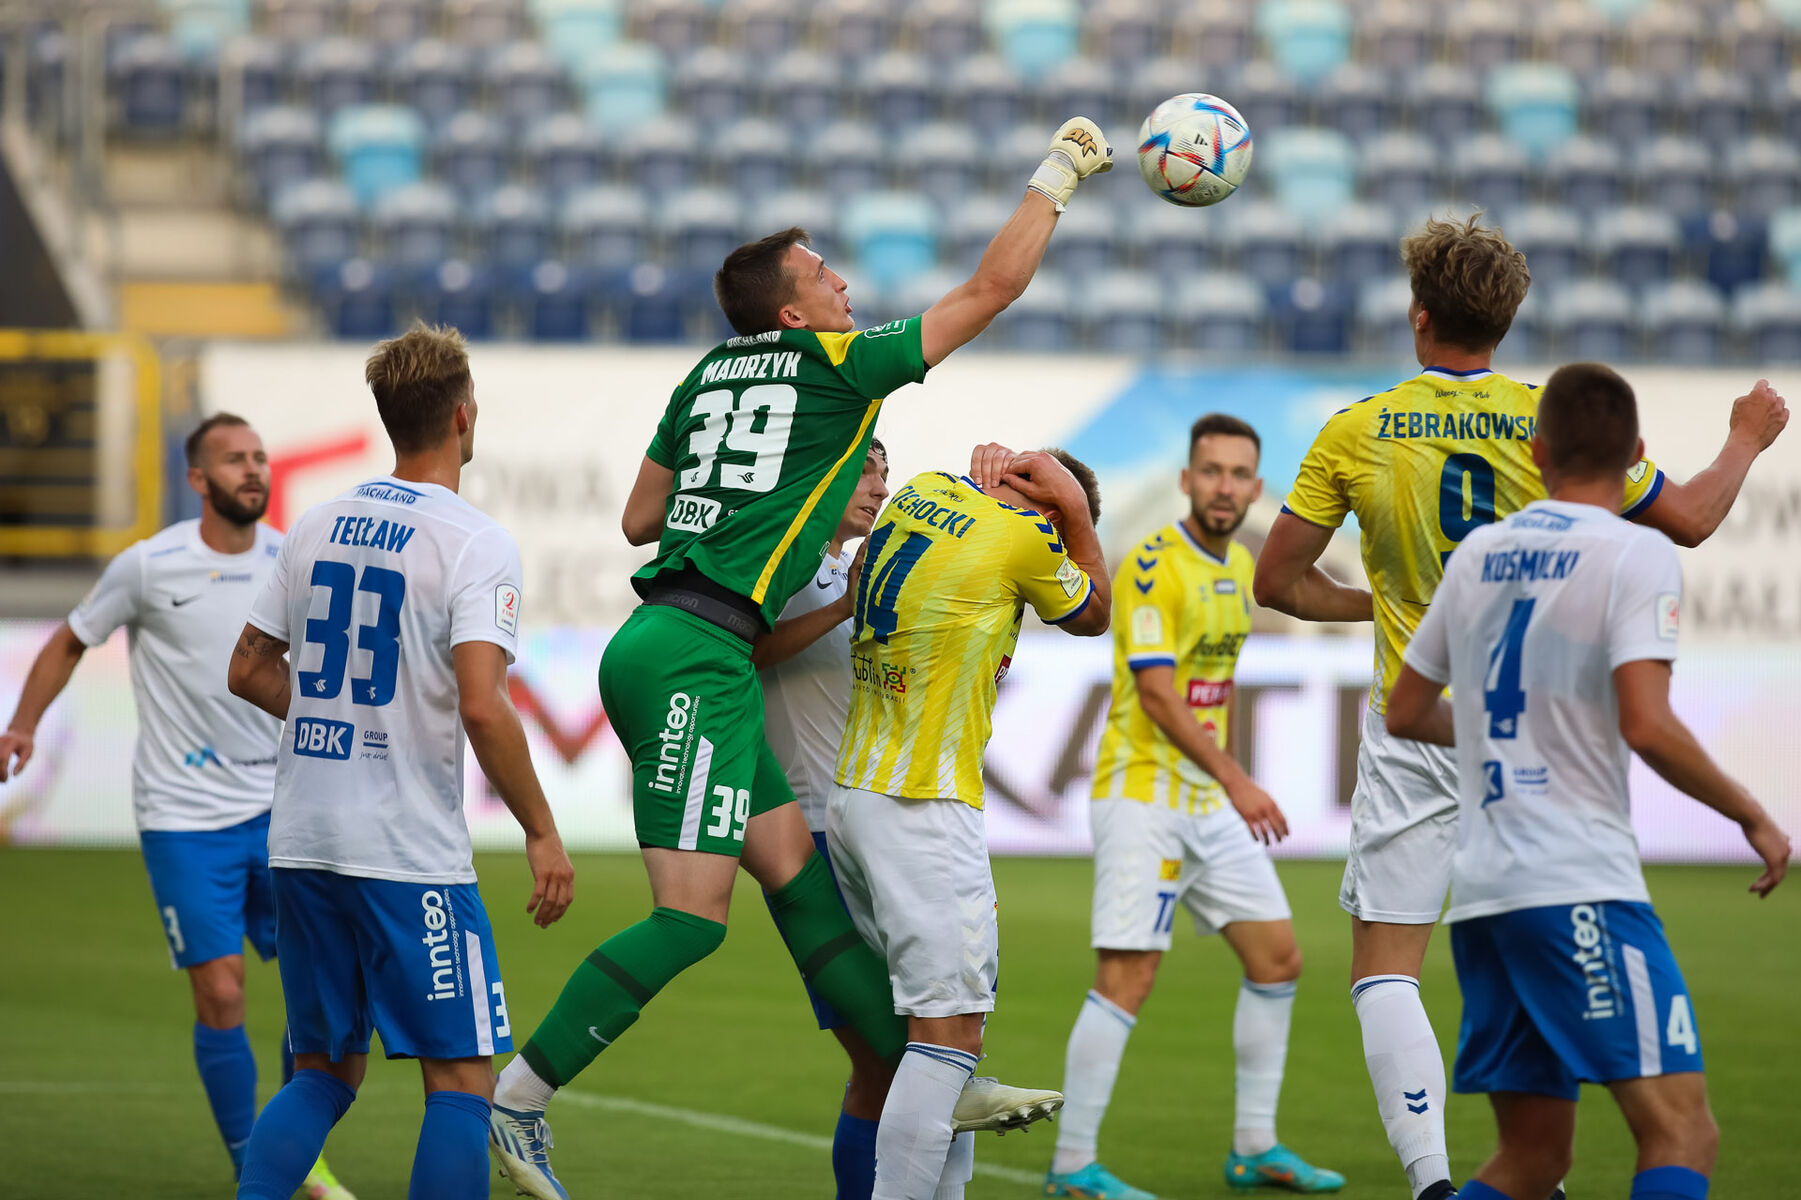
x,y
767,437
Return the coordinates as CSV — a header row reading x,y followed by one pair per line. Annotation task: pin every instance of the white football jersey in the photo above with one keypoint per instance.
x,y
205,759
807,698
1532,618
371,591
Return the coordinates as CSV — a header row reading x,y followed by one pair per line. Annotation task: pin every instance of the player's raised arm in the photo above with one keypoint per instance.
x,y
1688,513
1290,580
1078,150
258,672
49,674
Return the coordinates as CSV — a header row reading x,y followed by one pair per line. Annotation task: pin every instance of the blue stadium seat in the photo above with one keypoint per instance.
x,y
1769,320
1683,322
393,23
1123,312
660,156
969,227
942,160
814,211
1729,247
1267,97
358,301
1492,173
1358,243
1528,339
801,89
525,81
1594,320
1446,103
1485,35
565,153
147,78
913,296
623,84
1383,330
847,157
891,235
1625,106
985,91
201,28
698,229
336,73
1358,101
457,293
1313,170
1535,104
761,29
299,20
1587,174
435,77
712,86
605,227
512,226
675,27
1577,37
1079,85
1665,39
753,156
654,304
1128,33
1087,242
1553,240
1399,35
1758,45
1308,39
1170,242
416,225
1401,171
945,31
1034,35
1213,34
1636,247
1781,103
1042,320
1267,243
1220,312
855,30
485,22
317,221
1675,173
1785,243
257,69
472,153
1766,172
554,302
576,29
1717,105
897,90
279,147
1312,316
378,146
1619,10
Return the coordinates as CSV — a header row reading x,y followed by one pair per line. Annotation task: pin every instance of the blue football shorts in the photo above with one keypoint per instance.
x,y
212,890
415,962
1568,994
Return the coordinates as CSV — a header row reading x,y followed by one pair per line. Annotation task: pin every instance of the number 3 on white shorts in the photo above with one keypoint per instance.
x,y
1681,1029
730,813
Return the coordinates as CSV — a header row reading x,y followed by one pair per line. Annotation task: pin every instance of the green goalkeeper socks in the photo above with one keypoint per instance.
x,y
834,958
613,984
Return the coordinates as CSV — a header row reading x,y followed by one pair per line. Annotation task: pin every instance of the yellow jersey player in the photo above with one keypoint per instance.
x,y
947,574
1422,465
1177,824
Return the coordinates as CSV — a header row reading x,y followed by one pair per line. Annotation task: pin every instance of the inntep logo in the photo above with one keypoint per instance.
x,y
1591,957
440,947
672,755
315,737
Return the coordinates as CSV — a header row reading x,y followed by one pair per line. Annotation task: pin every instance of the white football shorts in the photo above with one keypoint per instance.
x,y
915,877
1149,859
1403,828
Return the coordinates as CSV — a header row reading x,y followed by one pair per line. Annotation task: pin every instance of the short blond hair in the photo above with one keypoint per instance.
x,y
418,380
1468,277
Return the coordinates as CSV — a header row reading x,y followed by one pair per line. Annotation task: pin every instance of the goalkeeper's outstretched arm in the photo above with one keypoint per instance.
x,y
1078,151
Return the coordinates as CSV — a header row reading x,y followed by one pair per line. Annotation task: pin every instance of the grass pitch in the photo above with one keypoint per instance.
x,y
725,1089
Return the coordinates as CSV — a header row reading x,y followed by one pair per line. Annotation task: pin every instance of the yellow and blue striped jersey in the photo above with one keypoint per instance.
x,y
1174,605
945,582
1421,465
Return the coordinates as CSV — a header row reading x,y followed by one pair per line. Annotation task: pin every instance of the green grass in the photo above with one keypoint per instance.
x,y
88,1004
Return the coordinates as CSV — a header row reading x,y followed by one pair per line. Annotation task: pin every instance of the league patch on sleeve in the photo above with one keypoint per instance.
x,y
506,607
1669,611
1147,626
1637,473
1070,576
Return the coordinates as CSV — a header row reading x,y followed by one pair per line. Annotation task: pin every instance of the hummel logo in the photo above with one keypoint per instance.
x,y
177,603
595,1034
1420,1096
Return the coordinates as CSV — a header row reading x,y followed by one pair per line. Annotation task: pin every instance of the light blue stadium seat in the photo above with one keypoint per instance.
x,y
1400,171
1358,243
891,235
754,156
201,28
986,92
761,29
148,78
1683,322
416,225
565,153
1128,33
1313,170
713,86
1766,173
1087,242
1383,330
1446,102
675,27
1768,317
623,84
280,147
358,301
698,229
1625,106
512,226
1535,103
802,90
336,73
1034,35
1220,312
1588,175
1484,35
897,90
942,160
1267,243
605,227
317,221
1124,312
1785,243
1170,242
526,82
969,227
1593,319
1717,105
1637,247
847,157
1044,319
1675,173
1553,240
575,29
1080,85
1491,172
1309,39
1618,11
472,152
855,30
661,156
1665,39
459,294
812,210
378,146
435,77
1358,101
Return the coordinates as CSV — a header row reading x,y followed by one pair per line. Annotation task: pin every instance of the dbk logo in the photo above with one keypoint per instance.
x,y
317,738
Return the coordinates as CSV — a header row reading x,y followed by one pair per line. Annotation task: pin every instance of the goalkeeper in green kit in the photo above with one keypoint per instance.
x,y
742,486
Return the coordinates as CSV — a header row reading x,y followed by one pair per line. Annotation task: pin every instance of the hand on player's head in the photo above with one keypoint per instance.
x,y
1760,414
1047,484
988,462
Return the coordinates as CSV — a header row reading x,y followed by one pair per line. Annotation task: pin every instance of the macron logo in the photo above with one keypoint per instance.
x,y
316,738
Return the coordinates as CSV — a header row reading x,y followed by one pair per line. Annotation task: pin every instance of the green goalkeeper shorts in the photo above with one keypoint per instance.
x,y
688,707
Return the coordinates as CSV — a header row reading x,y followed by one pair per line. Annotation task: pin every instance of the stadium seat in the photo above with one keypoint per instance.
x,y
942,160
1313,170
1676,174
1151,83
897,90
1593,320
945,31
1785,243
1312,316
392,22
1267,244
1446,103
1383,328
554,303
605,227
1717,106
378,146
676,28
1729,247
1266,96
296,21
1636,247
855,30
847,157
1213,33
1358,243
969,227
712,87
1624,106
761,29
256,69
1528,339
1577,37
576,29
1757,44
1079,85
1491,172
485,22
1684,323
1586,174
457,293
1220,312
913,296
1034,35
1358,101
1766,173
472,153
659,155
1308,39
986,92
317,221
801,89
148,78
623,84
1485,35
437,78
416,225
698,229
654,304
1400,171
814,211
1665,39
200,29
565,153
1127,33
1619,11
1122,312
1780,104
525,81
1397,35
1769,319
1553,241
336,73
1165,239
512,225
1087,242
279,147
891,235
1043,319
1535,104
753,156
358,301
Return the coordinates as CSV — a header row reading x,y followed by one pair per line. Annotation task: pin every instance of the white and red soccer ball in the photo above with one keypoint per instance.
x,y
1194,149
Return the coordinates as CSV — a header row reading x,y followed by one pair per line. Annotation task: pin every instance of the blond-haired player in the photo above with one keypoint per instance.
x,y
1422,465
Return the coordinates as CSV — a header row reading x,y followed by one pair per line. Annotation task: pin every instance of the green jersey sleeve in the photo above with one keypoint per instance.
x,y
876,361
662,448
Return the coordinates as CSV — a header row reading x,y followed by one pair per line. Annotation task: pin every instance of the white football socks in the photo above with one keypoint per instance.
x,y
1407,1071
913,1142
959,1168
520,1089
1090,1067
1260,1041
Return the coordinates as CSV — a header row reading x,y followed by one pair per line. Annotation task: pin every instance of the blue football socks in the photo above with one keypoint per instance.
x,y
1669,1183
1475,1189
290,1134
228,1072
452,1160
287,1057
853,1157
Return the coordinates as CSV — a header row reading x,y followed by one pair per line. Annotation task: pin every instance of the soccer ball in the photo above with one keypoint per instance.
x,y
1194,149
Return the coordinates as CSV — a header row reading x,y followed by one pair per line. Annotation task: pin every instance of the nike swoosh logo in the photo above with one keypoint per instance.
x,y
174,603
595,1034
823,584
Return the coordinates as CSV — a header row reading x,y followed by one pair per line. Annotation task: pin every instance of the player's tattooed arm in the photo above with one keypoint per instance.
x,y
258,672
1290,580
1688,513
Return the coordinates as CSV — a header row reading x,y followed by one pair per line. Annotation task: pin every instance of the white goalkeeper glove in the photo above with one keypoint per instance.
x,y
1079,150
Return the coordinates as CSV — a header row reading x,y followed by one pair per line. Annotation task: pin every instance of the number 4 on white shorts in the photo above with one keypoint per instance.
x,y
1681,1029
